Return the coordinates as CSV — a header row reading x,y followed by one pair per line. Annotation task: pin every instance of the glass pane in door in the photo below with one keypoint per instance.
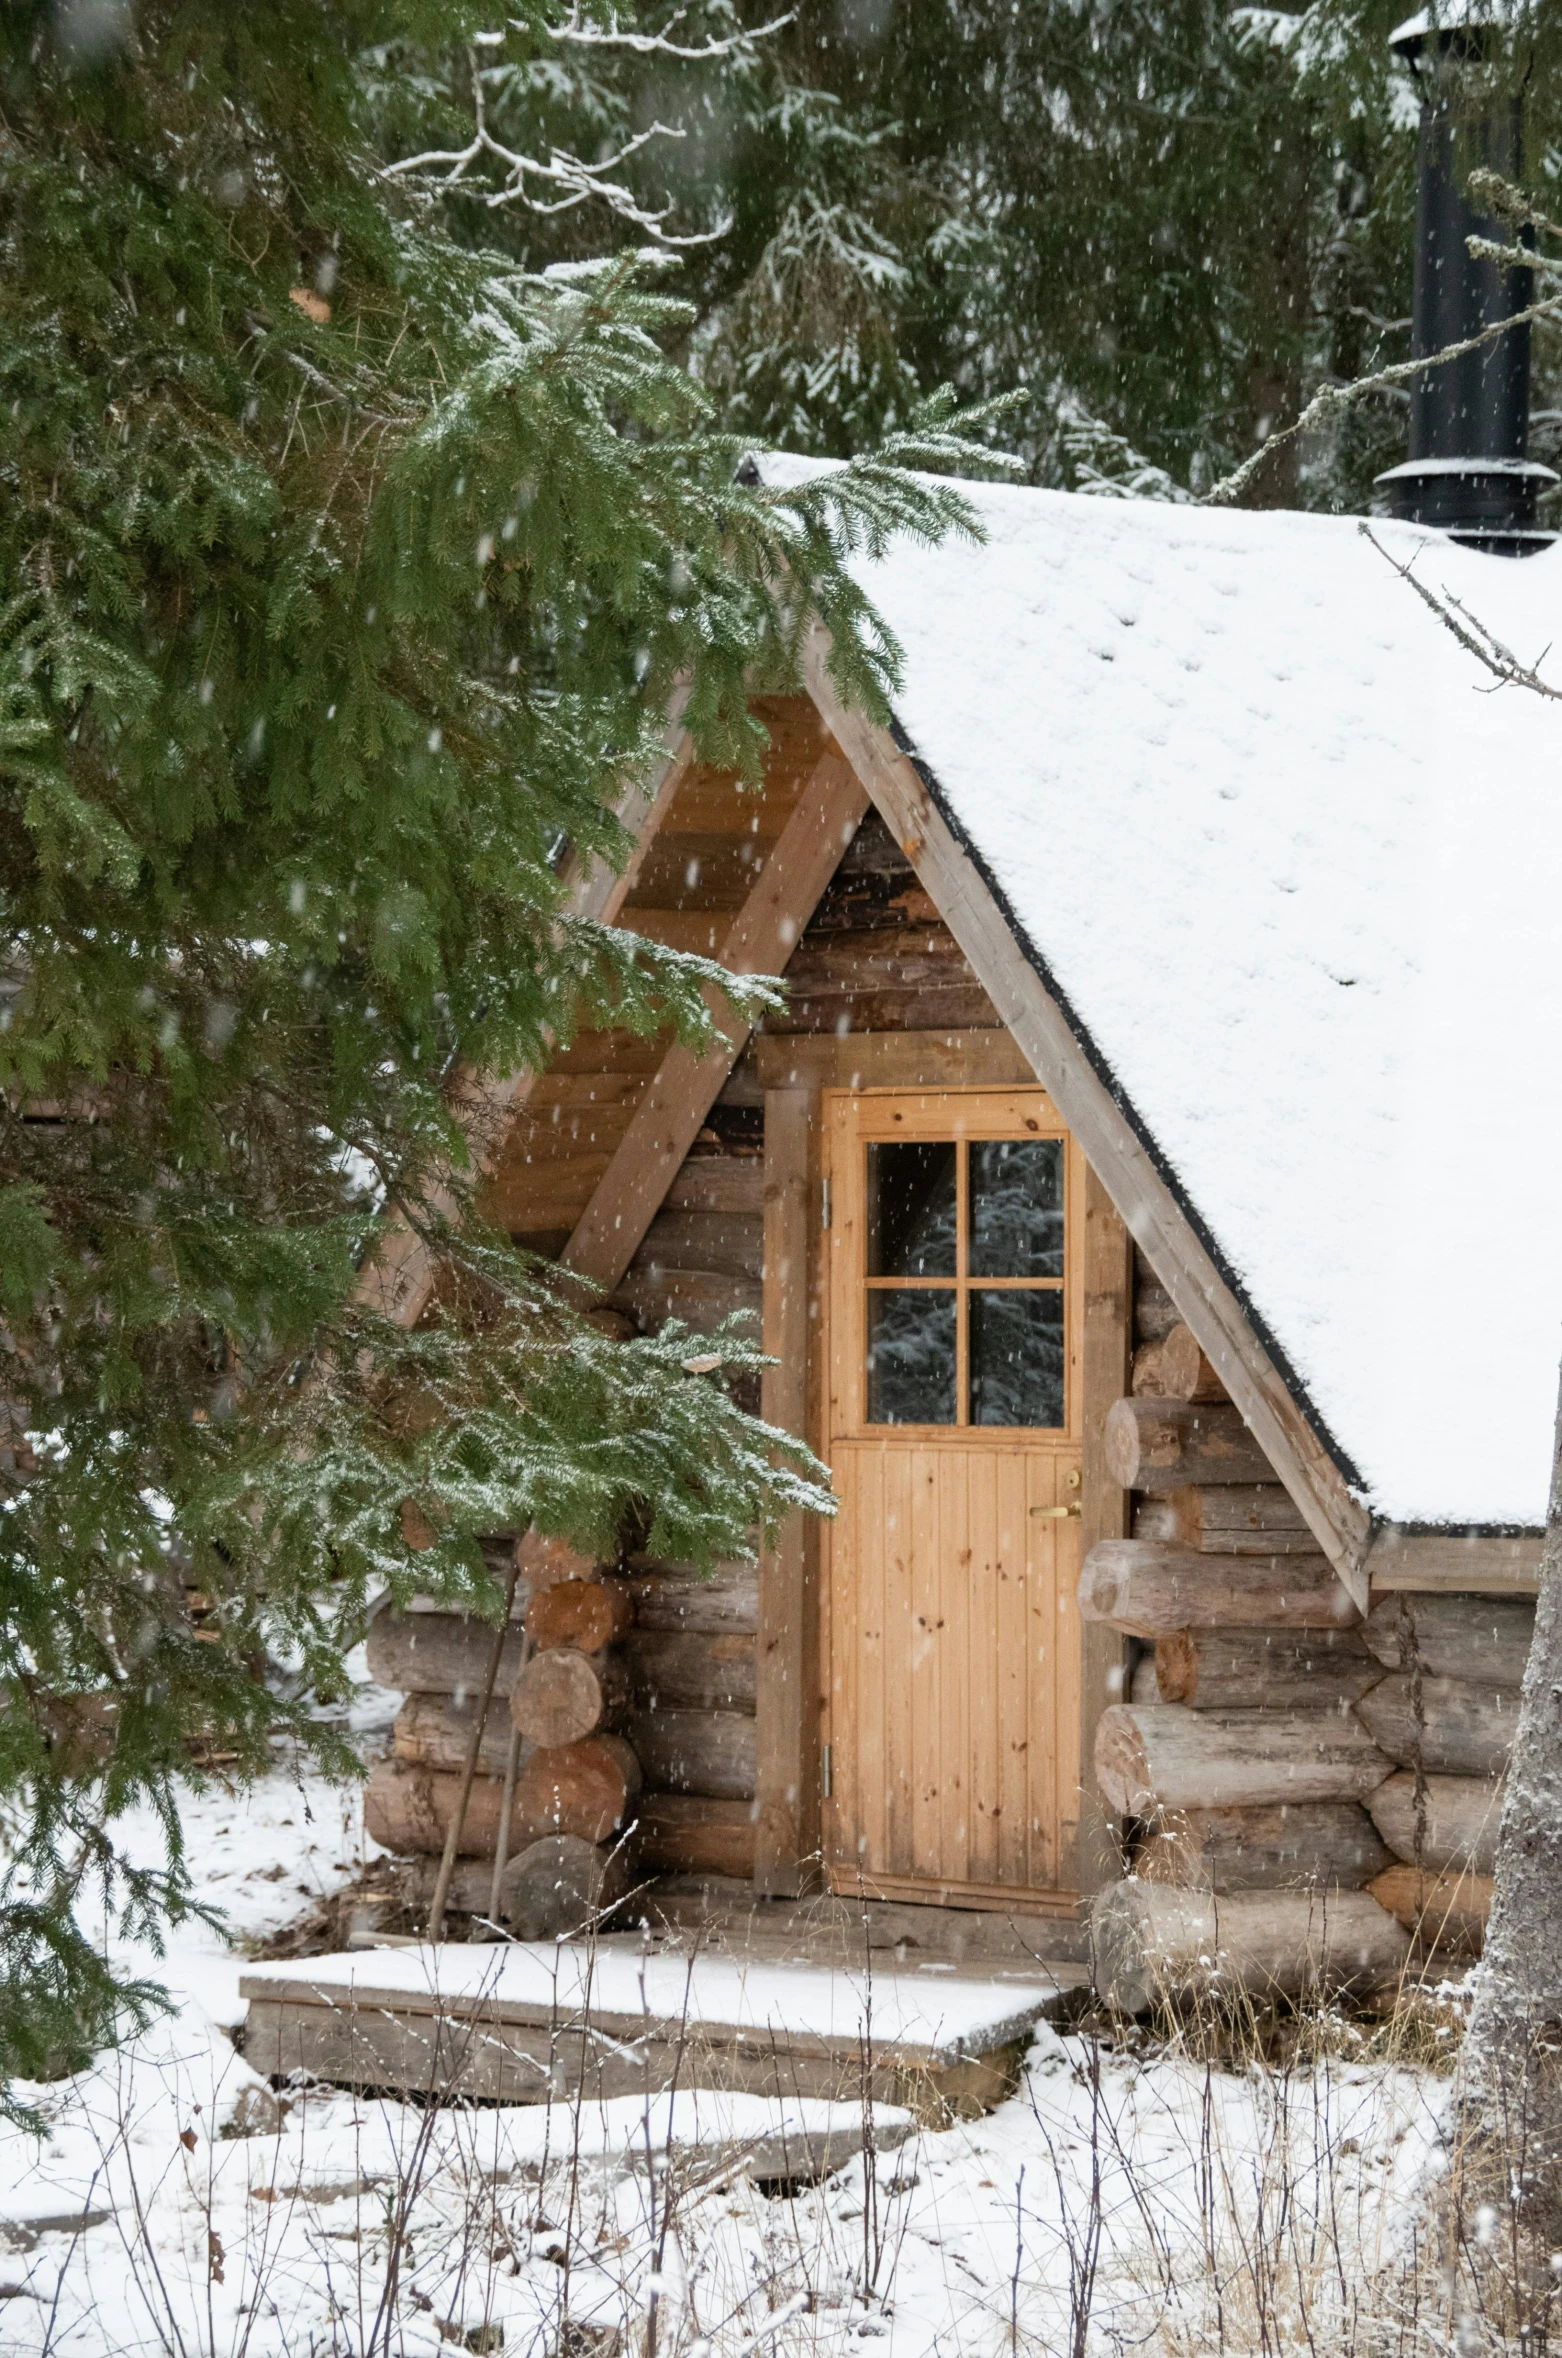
x,y
1016,1223
911,1356
912,1214
1016,1357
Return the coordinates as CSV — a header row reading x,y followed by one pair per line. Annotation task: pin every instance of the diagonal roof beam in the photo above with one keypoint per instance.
x,y
684,1087
1200,1290
399,1274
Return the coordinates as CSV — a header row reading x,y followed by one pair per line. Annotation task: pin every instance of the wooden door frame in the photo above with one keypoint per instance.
x,y
793,1665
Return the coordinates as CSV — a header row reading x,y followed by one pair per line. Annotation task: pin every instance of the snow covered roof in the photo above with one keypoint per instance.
x,y
1296,873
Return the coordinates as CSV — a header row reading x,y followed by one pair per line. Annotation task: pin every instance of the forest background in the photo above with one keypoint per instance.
x,y
1167,221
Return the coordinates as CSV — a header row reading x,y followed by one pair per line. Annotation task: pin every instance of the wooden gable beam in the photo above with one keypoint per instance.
x,y
684,1087
1156,1219
399,1275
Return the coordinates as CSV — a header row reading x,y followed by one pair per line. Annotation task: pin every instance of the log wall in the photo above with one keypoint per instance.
x,y
1269,1740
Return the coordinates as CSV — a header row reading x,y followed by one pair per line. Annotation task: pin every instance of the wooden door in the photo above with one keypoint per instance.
x,y
955,1307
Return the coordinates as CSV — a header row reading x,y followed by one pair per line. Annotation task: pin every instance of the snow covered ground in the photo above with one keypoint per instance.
x,y
176,2205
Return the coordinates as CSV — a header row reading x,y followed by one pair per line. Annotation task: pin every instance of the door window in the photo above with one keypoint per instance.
x,y
965,1277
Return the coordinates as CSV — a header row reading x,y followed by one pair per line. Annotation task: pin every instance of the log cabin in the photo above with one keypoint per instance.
x,y
1147,1198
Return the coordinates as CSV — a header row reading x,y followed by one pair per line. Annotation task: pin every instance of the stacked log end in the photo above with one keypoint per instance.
x,y
1309,1799
633,1698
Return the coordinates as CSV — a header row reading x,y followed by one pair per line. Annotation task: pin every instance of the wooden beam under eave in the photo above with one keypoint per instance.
x,y
399,1274
1203,1297
684,1087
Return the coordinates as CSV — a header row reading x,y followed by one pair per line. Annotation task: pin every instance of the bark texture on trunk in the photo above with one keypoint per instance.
x,y
1509,2112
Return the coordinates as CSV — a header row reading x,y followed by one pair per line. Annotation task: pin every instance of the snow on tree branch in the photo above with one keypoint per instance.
x,y
563,181
582,35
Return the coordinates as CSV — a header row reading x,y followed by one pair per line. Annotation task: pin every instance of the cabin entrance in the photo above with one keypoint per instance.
x,y
953,1415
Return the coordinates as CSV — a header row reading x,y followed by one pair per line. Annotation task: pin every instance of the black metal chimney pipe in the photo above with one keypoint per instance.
x,y
1469,471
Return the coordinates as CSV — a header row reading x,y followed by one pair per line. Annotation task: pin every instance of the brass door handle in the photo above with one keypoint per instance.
x,y
1057,1513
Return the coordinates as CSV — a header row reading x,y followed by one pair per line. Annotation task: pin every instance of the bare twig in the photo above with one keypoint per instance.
x,y
1475,636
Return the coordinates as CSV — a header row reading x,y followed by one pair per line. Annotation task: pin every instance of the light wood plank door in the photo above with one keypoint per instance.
x,y
952,1657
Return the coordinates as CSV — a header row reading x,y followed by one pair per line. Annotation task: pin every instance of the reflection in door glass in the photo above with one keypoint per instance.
x,y
911,1357
1016,1358
1017,1208
911,1209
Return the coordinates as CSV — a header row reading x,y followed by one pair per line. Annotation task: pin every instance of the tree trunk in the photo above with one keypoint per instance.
x,y
1149,1590
1450,1726
1156,1757
1276,1669
1454,1826
1509,2086
560,1885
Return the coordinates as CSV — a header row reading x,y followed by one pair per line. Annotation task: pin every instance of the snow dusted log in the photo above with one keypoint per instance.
x,y
1154,1757
1151,1942
585,1614
407,1806
1155,1518
560,1885
1149,1589
562,1697
435,1730
1288,1845
1446,1911
440,1653
1278,1669
586,1789
1239,1519
691,1670
1483,1638
1462,1729
709,1752
1161,1444
1175,1369
667,1597
1462,1817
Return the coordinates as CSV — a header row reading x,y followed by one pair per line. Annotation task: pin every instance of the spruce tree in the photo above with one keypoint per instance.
x,y
347,568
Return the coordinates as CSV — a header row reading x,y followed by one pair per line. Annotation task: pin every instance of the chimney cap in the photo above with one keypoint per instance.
x,y
1447,17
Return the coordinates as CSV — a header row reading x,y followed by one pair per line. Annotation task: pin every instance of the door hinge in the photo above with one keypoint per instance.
x,y
824,1203
829,1772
